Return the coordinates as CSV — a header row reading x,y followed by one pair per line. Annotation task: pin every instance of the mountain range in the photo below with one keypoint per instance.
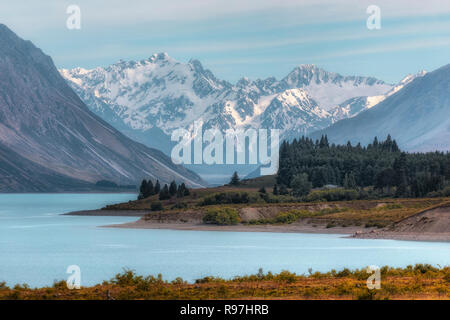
x,y
149,99
418,116
50,141
64,130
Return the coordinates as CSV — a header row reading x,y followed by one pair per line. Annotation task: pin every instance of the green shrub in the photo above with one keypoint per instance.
x,y
156,206
441,193
447,277
286,217
375,224
366,294
292,216
221,216
286,276
301,186
179,205
227,198
391,206
332,195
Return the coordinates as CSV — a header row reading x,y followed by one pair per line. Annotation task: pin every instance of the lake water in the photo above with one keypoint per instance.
x,y
37,245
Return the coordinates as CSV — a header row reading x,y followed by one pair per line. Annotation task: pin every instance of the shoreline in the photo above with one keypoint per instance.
x,y
192,226
404,236
107,213
351,232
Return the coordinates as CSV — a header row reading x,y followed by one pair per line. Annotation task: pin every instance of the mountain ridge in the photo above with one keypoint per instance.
x,y
417,116
45,122
160,92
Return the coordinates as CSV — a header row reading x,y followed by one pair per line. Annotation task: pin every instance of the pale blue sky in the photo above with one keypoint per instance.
x,y
254,38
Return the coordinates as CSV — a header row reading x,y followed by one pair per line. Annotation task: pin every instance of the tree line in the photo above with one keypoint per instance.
x,y
306,164
148,189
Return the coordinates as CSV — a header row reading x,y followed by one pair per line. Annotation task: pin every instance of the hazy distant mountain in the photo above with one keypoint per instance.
x,y
417,116
46,125
356,105
148,99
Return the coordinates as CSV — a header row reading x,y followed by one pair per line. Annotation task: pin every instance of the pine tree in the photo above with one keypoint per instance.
x,y
301,186
181,190
235,181
380,164
262,190
275,190
157,187
142,189
395,147
375,142
400,180
173,188
186,190
164,193
283,190
149,190
349,181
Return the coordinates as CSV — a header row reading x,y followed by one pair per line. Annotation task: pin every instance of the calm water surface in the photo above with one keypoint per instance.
x,y
37,245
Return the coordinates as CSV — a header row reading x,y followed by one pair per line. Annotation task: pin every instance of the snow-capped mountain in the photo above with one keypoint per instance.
x,y
330,89
356,105
149,99
294,112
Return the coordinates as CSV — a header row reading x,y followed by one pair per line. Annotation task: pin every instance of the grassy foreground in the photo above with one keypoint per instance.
x,y
413,282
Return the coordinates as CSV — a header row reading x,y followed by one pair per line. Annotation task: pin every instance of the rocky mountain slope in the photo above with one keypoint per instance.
x,y
418,116
46,125
356,105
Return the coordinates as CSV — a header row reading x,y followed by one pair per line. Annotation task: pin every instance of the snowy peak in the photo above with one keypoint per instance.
x,y
330,89
356,105
295,113
299,99
158,90
405,81
411,77
308,74
162,56
164,94
293,97
417,115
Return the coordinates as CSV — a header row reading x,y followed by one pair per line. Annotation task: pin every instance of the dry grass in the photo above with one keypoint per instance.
x,y
418,282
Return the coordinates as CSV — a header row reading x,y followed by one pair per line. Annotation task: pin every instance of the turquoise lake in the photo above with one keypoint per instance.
x,y
37,245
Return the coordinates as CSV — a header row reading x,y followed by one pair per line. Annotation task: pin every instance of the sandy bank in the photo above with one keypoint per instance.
x,y
428,225
108,213
285,228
